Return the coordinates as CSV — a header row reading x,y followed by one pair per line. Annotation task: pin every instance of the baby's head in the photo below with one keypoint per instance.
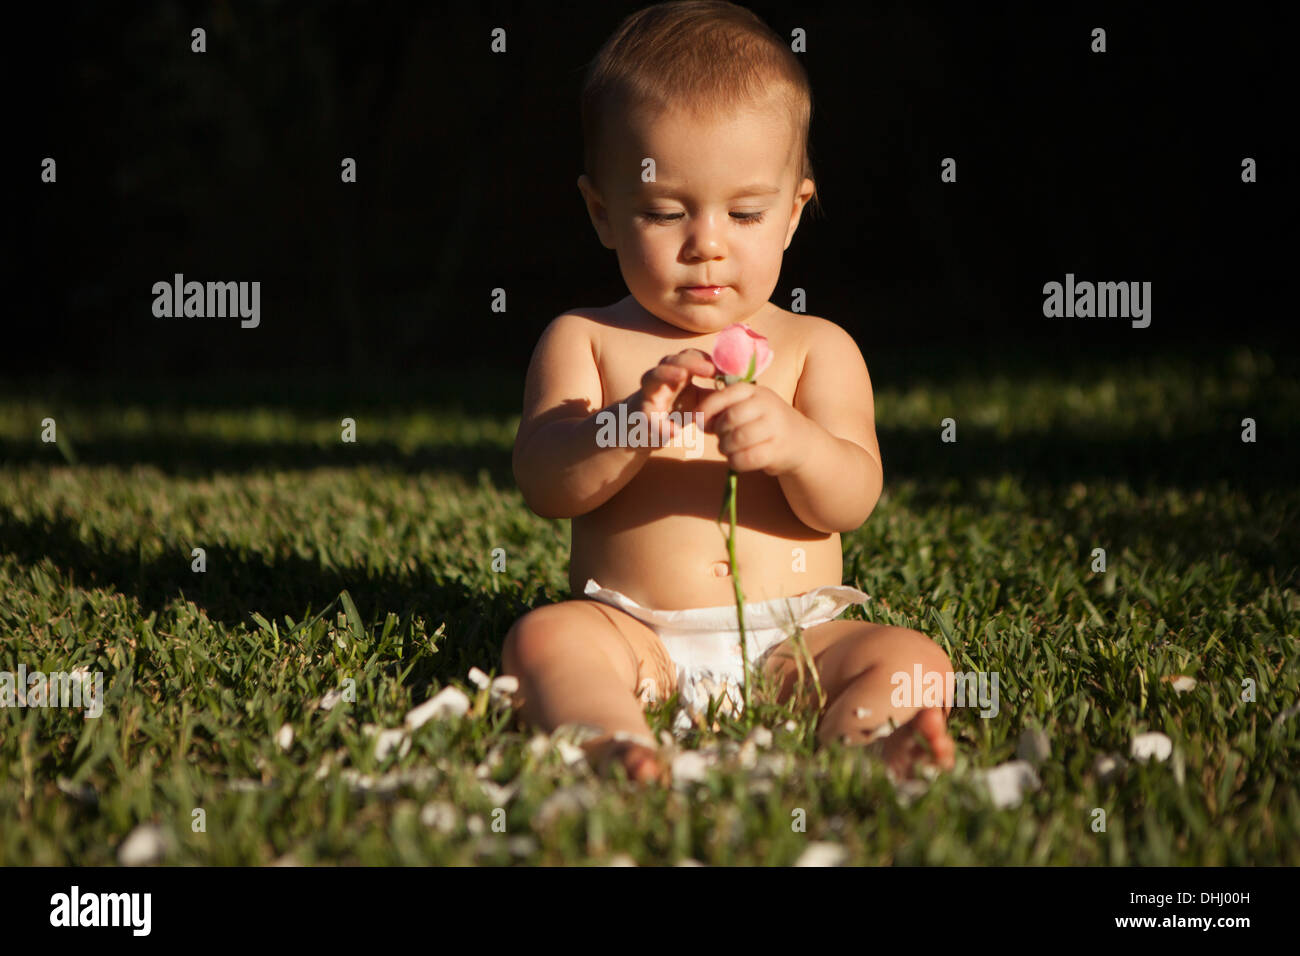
x,y
722,106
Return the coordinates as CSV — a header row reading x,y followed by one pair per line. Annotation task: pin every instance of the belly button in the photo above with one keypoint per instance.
x,y
721,569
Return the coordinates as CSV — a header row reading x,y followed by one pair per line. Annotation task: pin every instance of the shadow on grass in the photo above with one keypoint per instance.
x,y
236,584
192,457
1186,461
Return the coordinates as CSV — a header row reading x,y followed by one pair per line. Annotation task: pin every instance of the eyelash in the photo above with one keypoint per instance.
x,y
744,218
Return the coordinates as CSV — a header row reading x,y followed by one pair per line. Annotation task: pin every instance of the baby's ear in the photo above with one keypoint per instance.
x,y
807,189
597,211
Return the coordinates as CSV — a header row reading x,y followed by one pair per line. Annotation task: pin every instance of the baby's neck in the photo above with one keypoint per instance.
x,y
638,316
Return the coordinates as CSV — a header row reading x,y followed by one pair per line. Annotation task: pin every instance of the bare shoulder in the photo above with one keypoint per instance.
x,y
563,380
823,335
573,322
819,341
593,324
834,386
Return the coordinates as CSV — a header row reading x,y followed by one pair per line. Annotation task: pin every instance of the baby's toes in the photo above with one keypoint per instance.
x,y
923,739
930,724
640,762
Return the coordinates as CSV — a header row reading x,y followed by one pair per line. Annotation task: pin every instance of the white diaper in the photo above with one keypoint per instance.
x,y
704,642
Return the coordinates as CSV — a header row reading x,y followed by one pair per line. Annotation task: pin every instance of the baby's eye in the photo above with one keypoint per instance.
x,y
743,217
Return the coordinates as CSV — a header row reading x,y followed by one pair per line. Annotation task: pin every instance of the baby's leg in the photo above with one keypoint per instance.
x,y
858,663
582,662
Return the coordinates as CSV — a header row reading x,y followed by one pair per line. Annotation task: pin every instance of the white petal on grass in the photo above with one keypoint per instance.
x,y
475,825
284,738
1286,715
791,726
331,698
539,746
326,764
479,679
910,790
1008,783
565,801
506,684
761,737
521,846
82,793
440,815
570,754
1106,766
774,765
503,689
576,733
1034,746
389,782
387,740
499,795
1153,744
494,758
747,756
690,767
448,702
822,853
1182,683
146,844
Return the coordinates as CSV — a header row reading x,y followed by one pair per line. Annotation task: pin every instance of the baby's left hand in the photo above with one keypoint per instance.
x,y
757,430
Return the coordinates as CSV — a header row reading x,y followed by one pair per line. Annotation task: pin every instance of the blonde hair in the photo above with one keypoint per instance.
x,y
707,55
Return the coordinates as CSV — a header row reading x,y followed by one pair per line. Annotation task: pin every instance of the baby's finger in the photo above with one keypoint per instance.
x,y
696,361
664,376
716,402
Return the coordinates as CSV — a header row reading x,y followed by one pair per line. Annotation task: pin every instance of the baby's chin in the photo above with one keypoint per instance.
x,y
702,319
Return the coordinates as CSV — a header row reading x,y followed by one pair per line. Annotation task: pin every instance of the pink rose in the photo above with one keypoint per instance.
x,y
737,345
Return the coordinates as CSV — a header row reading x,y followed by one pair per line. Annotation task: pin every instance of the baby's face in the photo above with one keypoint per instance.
x,y
722,209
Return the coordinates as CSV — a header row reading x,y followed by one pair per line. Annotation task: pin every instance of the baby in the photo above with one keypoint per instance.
x,y
696,121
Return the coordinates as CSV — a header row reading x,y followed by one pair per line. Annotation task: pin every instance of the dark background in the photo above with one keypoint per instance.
x,y
224,166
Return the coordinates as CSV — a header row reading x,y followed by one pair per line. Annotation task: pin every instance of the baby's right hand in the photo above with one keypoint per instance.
x,y
668,387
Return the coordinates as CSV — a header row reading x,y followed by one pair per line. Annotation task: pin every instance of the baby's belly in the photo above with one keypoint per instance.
x,y
659,543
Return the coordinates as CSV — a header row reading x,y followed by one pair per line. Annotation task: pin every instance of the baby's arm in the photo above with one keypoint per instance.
x,y
558,465
840,482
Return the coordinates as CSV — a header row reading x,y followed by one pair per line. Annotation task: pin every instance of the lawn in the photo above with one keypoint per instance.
x,y
372,562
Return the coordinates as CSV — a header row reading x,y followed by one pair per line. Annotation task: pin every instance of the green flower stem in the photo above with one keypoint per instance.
x,y
729,511
730,505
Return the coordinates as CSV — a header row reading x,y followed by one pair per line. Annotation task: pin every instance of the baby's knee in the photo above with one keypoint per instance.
x,y
913,647
567,635
520,648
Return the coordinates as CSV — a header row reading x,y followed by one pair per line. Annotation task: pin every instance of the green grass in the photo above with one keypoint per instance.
x,y
372,561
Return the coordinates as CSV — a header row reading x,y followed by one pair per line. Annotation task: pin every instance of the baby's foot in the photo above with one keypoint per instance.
x,y
640,761
922,740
